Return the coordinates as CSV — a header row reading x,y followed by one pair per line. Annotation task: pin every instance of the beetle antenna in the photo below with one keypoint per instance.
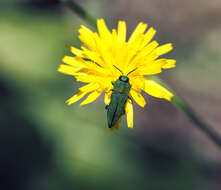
x,y
118,69
131,71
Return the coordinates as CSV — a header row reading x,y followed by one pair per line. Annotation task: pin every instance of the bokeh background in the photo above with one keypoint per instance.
x,y
47,145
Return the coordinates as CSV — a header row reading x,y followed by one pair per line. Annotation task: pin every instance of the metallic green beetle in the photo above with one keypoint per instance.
x,y
119,97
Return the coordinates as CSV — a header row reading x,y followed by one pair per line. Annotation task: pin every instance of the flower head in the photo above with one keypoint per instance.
x,y
107,55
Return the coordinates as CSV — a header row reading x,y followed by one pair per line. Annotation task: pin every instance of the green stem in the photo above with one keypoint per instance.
x,y
80,12
182,105
177,101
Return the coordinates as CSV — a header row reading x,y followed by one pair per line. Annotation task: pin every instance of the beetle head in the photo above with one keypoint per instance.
x,y
124,78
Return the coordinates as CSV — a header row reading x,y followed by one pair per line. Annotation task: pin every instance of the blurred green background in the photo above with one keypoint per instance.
x,y
47,145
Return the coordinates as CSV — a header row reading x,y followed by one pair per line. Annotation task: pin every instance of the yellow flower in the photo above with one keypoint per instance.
x,y
95,63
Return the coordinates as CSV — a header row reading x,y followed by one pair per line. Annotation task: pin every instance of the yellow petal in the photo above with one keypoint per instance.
x,y
67,69
114,34
138,98
75,51
73,61
87,37
92,97
129,112
137,82
83,77
133,49
92,55
107,97
164,49
141,27
144,52
89,87
76,97
103,30
156,90
149,36
156,66
148,49
104,52
152,68
122,31
170,63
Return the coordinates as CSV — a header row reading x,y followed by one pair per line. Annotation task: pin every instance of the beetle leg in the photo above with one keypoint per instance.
x,y
124,112
110,90
130,98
